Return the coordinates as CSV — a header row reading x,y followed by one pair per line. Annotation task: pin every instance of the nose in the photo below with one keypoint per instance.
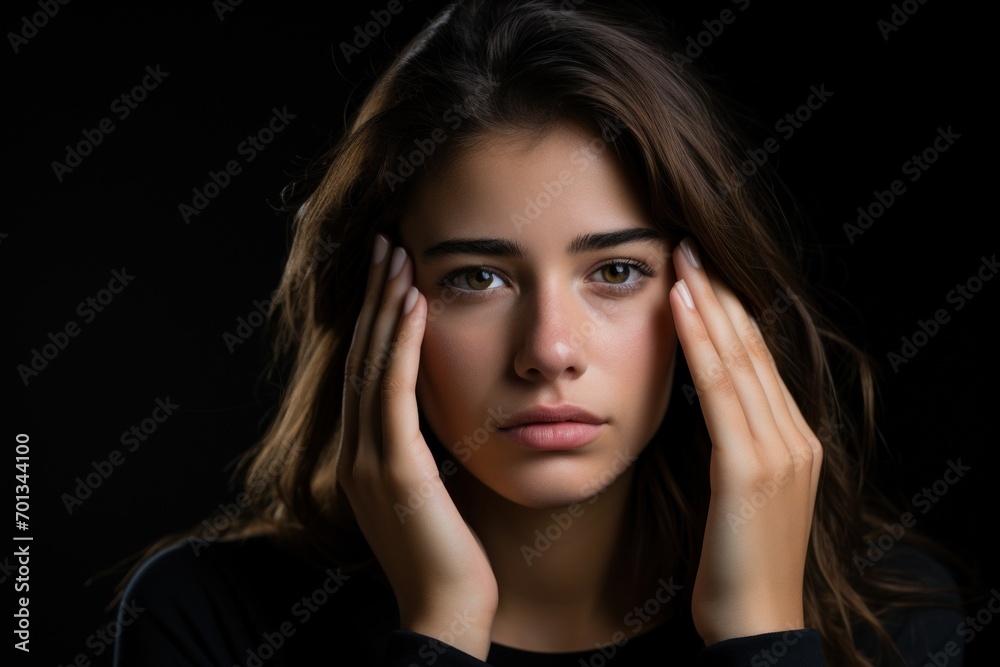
x,y
554,330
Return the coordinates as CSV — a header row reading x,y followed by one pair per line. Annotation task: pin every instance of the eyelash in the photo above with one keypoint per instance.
x,y
625,288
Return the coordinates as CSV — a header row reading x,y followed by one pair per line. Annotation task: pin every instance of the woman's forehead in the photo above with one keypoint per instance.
x,y
569,180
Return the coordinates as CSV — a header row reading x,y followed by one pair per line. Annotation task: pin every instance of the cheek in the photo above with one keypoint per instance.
x,y
638,332
455,364
639,336
636,350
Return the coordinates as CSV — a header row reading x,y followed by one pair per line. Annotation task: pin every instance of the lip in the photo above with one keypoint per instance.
x,y
556,413
553,428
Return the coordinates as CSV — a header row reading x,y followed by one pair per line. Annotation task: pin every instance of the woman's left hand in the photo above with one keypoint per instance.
x,y
764,469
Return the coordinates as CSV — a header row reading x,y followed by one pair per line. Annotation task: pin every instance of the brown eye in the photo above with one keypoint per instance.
x,y
480,279
622,276
473,279
615,273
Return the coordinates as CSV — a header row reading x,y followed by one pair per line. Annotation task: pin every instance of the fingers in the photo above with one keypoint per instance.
x,y
815,446
724,371
383,360
759,570
401,420
381,347
795,434
357,371
715,389
734,370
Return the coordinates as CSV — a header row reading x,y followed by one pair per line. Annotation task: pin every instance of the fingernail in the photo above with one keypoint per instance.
x,y
685,294
398,257
690,252
410,300
381,246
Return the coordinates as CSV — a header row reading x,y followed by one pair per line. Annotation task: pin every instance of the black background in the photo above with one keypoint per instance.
x,y
162,336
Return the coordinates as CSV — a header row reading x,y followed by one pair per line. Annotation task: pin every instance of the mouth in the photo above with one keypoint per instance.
x,y
553,427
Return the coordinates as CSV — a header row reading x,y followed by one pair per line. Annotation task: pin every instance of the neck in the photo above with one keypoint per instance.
x,y
564,574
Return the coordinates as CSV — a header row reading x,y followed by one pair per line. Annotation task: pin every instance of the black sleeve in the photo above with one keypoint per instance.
x,y
406,648
791,647
794,647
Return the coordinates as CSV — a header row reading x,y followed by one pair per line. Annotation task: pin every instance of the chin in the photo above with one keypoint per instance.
x,y
544,480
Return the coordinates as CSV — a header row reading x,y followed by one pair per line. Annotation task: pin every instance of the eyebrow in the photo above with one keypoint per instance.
x,y
507,248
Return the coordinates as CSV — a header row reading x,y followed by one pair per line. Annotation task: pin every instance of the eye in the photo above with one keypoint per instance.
x,y
623,275
615,273
472,278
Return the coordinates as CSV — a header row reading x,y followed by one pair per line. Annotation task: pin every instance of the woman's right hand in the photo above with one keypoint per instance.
x,y
438,569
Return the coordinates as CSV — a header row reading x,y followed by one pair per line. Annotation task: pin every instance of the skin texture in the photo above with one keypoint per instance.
x,y
549,330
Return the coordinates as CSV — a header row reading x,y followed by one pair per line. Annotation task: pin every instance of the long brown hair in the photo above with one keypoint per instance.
x,y
511,66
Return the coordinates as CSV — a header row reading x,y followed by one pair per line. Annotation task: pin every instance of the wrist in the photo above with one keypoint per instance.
x,y
747,621
466,628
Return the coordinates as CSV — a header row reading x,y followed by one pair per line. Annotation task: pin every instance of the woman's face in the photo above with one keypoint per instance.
x,y
547,285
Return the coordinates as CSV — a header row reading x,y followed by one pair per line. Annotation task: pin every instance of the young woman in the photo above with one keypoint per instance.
x,y
562,396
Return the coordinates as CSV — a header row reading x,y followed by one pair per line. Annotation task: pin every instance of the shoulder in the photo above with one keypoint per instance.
x,y
191,570
191,564
932,624
218,599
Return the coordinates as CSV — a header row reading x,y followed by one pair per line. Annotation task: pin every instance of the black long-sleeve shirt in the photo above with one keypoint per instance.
x,y
249,603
